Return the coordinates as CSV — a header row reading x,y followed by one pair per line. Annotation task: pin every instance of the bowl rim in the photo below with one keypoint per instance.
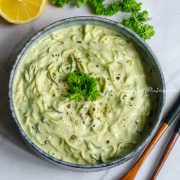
x,y
68,164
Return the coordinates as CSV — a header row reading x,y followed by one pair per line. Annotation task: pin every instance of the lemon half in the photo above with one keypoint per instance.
x,y
21,11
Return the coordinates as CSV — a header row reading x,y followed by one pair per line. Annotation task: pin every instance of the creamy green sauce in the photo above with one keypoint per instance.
x,y
82,132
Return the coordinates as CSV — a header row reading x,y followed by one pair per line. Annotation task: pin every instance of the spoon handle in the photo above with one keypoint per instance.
x,y
130,175
167,150
165,155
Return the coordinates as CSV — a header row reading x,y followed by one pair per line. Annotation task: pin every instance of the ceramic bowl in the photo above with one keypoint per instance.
x,y
150,60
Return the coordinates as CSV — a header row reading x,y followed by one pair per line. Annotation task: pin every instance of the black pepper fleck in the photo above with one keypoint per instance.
x,y
124,96
46,142
73,137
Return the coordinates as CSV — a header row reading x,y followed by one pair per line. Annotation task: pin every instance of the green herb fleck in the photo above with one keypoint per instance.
x,y
82,86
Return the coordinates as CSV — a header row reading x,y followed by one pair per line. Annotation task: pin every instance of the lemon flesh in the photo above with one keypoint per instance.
x,y
21,11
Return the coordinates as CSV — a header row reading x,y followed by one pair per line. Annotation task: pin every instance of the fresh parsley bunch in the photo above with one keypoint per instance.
x,y
136,22
82,86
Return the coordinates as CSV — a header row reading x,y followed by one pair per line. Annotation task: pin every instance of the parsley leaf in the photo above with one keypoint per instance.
x,y
105,9
136,23
82,86
130,6
141,16
81,2
60,3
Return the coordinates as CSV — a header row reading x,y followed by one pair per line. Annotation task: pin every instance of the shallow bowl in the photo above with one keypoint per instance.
x,y
148,57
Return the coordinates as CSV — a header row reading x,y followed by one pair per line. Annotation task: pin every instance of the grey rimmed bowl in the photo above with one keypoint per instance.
x,y
149,59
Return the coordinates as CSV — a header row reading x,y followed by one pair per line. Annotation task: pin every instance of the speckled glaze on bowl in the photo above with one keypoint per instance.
x,y
150,58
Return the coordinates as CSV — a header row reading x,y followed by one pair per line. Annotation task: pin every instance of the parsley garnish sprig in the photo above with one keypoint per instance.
x,y
82,86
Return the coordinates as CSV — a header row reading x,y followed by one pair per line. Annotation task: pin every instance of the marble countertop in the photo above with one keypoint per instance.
x,y
16,159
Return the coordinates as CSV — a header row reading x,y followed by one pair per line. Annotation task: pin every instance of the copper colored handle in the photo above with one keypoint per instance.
x,y
130,175
168,149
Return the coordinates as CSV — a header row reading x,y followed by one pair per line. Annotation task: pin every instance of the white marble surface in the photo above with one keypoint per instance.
x,y
19,163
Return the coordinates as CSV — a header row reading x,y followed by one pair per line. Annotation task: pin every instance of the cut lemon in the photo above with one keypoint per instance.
x,y
21,11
